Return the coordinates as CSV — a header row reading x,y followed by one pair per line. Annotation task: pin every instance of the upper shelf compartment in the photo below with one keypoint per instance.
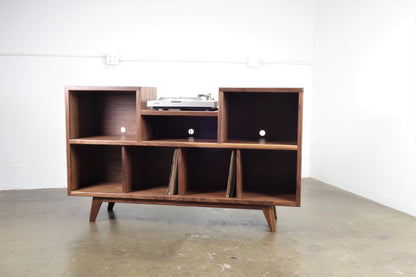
x,y
179,128
104,114
260,115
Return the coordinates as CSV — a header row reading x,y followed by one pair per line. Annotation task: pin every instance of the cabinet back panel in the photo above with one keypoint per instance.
x,y
104,113
275,113
150,166
269,171
176,127
97,164
207,169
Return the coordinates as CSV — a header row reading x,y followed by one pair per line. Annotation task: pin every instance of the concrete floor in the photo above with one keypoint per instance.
x,y
334,233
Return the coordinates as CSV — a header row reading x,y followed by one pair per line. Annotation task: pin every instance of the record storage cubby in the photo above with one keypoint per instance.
x,y
245,155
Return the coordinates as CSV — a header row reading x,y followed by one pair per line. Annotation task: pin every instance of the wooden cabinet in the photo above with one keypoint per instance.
x,y
246,155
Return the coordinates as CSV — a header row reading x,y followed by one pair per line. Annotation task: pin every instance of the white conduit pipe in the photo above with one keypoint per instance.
x,y
115,59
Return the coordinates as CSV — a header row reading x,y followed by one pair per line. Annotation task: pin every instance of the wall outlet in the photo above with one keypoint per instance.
x,y
112,59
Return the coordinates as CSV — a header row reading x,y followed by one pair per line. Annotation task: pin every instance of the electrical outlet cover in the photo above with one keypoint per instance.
x,y
112,59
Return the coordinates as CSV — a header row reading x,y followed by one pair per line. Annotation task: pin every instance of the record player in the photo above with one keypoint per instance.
x,y
204,102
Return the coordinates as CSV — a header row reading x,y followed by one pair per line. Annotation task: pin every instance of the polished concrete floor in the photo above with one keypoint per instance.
x,y
334,233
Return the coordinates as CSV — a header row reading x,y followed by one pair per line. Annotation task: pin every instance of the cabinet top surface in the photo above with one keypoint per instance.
x,y
259,89
102,88
224,89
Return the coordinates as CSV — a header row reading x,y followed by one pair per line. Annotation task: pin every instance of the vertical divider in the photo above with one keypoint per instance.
x,y
182,172
239,175
139,123
222,118
126,170
145,129
142,96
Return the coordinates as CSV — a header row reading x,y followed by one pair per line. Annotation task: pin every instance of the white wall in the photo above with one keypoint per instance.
x,y
363,83
364,103
32,125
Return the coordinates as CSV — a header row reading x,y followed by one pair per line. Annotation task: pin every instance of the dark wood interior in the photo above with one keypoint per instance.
x,y
249,112
206,171
268,172
95,165
176,127
103,113
148,167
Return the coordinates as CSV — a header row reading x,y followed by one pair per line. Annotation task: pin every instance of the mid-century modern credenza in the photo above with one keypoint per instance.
x,y
245,155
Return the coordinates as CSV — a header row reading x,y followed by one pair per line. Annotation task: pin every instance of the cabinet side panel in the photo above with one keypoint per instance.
x,y
73,172
68,153
222,118
72,115
299,157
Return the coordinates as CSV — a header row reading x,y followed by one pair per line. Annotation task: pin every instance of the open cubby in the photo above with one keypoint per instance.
x,y
247,113
102,113
147,169
96,168
268,174
204,172
177,127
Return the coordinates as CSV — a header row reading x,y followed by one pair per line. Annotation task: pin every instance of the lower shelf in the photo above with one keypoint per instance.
x,y
106,140
282,199
100,188
218,194
114,190
155,191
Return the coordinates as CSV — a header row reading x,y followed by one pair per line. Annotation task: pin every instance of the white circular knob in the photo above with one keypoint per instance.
x,y
123,129
191,131
262,133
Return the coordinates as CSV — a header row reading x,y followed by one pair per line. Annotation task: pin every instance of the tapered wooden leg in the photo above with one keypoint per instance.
x,y
275,212
110,206
270,217
95,208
